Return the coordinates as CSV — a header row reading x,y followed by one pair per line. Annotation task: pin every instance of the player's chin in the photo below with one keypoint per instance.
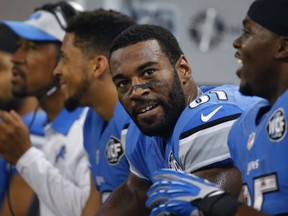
x,y
151,126
245,89
151,130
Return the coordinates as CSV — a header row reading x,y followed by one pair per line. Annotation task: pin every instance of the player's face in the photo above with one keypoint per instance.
x,y
72,73
148,87
33,65
256,48
7,101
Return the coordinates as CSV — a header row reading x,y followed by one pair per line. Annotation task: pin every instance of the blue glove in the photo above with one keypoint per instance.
x,y
176,187
174,207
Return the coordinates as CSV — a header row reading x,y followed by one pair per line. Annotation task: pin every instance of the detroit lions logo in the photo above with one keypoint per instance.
x,y
114,151
61,154
173,164
277,126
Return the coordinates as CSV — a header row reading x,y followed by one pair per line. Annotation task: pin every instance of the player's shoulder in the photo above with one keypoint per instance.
x,y
251,113
215,106
93,119
226,96
229,95
216,102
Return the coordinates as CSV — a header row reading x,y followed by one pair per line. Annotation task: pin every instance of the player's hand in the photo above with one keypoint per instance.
x,y
172,187
174,207
14,136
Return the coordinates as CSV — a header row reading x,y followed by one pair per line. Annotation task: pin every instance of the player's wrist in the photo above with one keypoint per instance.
x,y
217,204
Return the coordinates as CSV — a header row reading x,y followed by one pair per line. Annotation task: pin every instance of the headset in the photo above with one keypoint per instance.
x,y
63,11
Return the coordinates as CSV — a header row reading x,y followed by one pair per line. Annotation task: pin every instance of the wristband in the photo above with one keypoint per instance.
x,y
215,204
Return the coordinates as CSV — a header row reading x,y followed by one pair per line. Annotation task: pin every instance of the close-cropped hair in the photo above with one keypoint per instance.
x,y
95,30
139,33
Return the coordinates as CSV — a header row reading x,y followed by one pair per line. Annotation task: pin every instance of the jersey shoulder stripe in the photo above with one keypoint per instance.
x,y
208,125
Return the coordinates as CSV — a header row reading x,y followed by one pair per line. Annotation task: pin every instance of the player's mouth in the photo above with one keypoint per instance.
x,y
240,63
17,75
147,111
62,84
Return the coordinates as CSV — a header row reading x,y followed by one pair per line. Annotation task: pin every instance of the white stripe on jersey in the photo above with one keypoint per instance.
x,y
123,138
205,147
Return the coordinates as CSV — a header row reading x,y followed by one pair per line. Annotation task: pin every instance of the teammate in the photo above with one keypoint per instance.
x,y
20,193
258,140
59,175
154,84
85,80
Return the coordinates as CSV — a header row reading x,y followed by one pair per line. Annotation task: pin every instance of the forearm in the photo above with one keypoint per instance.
x,y
226,177
20,197
125,201
60,194
93,203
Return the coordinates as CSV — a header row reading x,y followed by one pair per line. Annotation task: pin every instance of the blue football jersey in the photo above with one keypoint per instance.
x,y
145,154
199,138
102,141
259,144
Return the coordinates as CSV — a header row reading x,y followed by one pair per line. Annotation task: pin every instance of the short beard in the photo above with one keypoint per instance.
x,y
71,104
20,93
11,104
246,90
74,102
173,108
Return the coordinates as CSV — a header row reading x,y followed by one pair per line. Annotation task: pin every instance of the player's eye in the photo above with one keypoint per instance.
x,y
148,72
122,83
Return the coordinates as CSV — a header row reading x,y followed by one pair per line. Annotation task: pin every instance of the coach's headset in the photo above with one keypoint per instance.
x,y
62,11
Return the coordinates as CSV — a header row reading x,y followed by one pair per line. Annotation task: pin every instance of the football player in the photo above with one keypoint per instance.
x,y
258,140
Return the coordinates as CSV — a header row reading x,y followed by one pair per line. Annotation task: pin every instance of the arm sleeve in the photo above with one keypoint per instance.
x,y
61,195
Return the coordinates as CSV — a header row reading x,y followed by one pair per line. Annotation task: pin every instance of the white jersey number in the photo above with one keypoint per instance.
x,y
221,95
262,185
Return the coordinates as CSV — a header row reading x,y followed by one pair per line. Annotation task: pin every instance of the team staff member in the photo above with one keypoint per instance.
x,y
20,193
154,84
258,140
59,175
85,80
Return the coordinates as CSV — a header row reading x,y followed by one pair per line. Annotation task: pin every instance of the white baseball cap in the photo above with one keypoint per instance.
x,y
48,23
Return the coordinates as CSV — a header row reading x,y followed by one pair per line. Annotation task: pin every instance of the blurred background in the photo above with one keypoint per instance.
x,y
205,29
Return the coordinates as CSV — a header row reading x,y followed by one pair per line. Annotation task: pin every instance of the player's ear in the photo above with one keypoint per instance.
x,y
183,68
282,52
99,65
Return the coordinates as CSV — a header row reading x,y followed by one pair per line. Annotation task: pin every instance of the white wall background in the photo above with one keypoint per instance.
x,y
212,63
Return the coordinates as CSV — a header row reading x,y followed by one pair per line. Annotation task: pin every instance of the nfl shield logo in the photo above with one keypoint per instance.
x,y
251,140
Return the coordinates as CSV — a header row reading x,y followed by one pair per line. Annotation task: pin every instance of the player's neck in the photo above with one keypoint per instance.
x,y
52,104
28,105
191,92
105,102
105,107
